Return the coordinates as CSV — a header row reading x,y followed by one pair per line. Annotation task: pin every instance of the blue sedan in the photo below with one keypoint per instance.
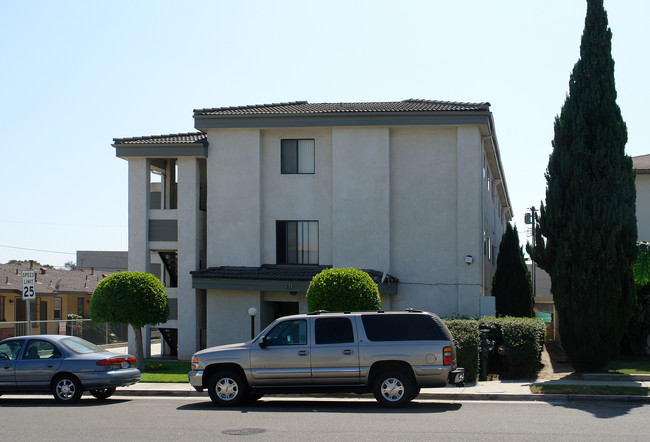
x,y
66,366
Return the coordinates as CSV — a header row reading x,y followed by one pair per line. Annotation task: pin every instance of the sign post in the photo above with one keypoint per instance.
x,y
29,293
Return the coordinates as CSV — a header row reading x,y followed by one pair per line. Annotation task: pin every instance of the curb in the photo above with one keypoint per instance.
x,y
424,395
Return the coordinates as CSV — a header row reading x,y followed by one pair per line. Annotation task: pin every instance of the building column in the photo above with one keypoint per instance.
x,y
189,248
138,204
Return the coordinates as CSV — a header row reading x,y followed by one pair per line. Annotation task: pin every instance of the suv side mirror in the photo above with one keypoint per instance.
x,y
263,342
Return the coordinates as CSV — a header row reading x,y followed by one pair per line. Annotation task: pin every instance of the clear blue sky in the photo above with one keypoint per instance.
x,y
76,74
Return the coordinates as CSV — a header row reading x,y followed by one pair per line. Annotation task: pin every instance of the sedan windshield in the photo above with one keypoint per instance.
x,y
81,346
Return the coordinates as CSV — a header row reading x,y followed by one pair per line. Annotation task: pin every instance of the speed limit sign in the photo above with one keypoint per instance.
x,y
29,282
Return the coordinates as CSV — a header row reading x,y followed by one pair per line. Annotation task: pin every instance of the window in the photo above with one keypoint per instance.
x,y
297,156
296,242
293,332
2,308
333,331
57,308
37,349
80,306
401,328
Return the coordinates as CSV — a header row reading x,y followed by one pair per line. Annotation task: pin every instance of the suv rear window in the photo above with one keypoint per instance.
x,y
333,331
408,327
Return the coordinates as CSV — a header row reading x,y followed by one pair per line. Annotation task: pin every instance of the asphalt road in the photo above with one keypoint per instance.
x,y
196,419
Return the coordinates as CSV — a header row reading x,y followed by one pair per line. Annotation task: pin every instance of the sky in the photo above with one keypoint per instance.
x,y
76,74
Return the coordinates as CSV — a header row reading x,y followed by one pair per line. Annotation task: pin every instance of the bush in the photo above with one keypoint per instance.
x,y
523,339
465,333
343,290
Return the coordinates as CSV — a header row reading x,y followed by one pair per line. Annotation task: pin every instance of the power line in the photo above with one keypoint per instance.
x,y
36,250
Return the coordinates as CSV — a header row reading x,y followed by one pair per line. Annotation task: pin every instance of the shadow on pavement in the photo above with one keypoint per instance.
x,y
330,406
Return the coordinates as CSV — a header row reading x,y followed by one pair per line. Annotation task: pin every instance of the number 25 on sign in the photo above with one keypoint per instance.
x,y
29,281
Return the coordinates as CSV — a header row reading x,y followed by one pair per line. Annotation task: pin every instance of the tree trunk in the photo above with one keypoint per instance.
x,y
139,350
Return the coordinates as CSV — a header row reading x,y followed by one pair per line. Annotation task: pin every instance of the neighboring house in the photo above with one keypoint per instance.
x,y
244,212
58,293
642,166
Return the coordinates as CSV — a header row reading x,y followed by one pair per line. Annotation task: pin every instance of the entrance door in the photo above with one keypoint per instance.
x,y
43,317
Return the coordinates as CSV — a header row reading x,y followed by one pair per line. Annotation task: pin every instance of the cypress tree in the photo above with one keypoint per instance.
x,y
589,219
511,285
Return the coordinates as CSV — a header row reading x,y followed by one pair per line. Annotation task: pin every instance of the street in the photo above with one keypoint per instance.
x,y
166,418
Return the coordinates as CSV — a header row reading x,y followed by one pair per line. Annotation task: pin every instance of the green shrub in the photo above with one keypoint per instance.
x,y
523,339
339,290
465,333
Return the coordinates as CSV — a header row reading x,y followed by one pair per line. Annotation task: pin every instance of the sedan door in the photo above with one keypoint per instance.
x,y
283,358
334,352
40,360
9,353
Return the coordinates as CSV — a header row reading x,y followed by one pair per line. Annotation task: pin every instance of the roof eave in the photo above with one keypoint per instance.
x,y
204,122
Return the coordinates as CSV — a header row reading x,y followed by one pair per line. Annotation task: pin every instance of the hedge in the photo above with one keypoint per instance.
x,y
523,339
468,342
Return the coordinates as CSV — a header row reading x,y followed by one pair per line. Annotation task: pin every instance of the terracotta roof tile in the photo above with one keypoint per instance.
x,y
186,138
641,163
303,107
277,272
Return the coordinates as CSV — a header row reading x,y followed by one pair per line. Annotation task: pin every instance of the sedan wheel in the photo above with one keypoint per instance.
x,y
66,389
103,393
393,389
227,388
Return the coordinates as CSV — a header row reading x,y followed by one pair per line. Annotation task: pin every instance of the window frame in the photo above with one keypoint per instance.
x,y
294,144
284,239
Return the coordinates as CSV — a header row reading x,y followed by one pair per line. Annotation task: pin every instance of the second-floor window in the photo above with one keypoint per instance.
x,y
296,242
297,156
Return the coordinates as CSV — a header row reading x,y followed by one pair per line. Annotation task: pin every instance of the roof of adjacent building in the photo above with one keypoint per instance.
x,y
642,163
49,281
304,107
184,138
279,272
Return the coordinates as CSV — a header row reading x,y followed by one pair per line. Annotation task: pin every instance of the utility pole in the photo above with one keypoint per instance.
x,y
531,218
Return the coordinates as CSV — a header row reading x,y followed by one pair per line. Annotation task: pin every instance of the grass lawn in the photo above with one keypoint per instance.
x,y
165,371
630,366
588,389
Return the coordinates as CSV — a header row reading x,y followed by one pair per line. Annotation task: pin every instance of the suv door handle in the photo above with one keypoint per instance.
x,y
347,351
303,353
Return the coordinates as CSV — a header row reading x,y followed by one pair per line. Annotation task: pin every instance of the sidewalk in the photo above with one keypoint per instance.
x,y
553,373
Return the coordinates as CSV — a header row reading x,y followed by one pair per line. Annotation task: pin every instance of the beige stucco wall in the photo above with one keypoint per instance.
x,y
643,206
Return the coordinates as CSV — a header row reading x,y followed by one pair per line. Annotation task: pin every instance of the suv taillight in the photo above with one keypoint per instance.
x,y
446,356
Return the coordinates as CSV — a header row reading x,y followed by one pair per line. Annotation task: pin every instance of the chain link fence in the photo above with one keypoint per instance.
x,y
99,333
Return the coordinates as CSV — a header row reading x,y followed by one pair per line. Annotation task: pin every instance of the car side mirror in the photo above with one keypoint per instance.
x,y
263,342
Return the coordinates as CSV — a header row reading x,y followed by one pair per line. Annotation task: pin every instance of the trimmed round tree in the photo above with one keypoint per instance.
x,y
343,290
133,298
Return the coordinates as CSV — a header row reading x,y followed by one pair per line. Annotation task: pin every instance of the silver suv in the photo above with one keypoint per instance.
x,y
392,354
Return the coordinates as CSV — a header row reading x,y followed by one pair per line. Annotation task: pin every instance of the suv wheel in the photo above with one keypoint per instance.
x,y
394,389
227,388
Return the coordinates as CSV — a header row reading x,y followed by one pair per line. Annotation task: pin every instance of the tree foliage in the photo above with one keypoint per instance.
x,y
635,341
338,290
589,220
511,285
133,298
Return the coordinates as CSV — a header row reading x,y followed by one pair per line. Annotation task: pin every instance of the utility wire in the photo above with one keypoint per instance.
x,y
36,250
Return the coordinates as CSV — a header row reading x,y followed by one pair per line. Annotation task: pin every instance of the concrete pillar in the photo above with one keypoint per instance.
x,y
189,248
138,203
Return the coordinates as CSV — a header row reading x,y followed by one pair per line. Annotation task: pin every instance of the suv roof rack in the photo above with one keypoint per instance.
x,y
318,312
412,310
